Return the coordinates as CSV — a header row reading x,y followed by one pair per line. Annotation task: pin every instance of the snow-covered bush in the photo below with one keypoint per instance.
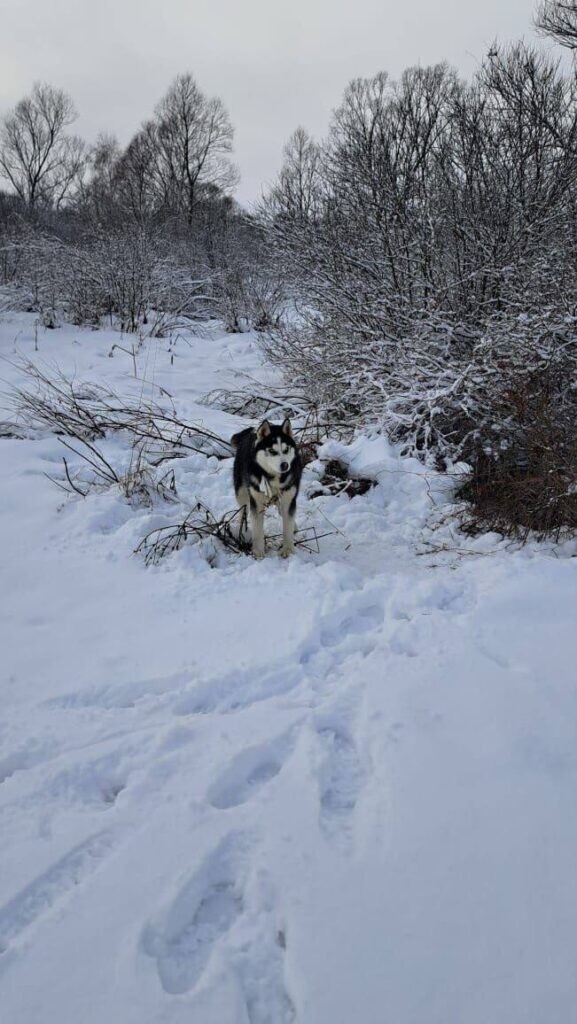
x,y
141,279
431,241
130,277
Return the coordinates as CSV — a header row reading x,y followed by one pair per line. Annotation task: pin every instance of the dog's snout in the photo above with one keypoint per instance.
x,y
284,467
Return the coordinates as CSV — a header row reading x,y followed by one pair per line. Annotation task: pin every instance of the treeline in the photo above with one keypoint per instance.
x,y
178,160
149,230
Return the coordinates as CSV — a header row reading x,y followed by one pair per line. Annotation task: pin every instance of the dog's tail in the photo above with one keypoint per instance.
x,y
237,438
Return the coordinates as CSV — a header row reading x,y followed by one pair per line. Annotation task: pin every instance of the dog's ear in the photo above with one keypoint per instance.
x,y
263,431
286,427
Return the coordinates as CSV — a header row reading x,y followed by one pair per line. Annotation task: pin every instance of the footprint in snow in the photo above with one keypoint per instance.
x,y
234,691
249,771
340,784
35,752
348,630
363,620
266,998
55,885
203,911
94,783
260,963
122,695
404,640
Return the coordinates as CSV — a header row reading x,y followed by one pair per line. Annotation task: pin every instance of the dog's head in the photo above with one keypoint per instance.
x,y
275,447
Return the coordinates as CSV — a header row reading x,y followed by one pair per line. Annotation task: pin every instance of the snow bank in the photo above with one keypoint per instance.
x,y
339,788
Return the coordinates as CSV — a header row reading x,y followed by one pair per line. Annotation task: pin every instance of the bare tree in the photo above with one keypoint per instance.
x,y
298,191
134,176
179,157
74,159
558,18
98,194
194,137
39,160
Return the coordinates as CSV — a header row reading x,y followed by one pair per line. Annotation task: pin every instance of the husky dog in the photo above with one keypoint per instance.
x,y
267,471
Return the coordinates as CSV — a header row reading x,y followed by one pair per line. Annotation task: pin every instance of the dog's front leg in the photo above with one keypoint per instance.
x,y
257,527
287,509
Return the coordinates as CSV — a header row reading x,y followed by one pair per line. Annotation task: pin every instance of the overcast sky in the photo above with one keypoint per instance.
x,y
275,64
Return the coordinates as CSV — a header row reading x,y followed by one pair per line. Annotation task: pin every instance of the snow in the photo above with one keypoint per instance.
x,y
336,788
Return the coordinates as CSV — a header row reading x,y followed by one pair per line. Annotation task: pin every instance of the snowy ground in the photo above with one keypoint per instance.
x,y
339,789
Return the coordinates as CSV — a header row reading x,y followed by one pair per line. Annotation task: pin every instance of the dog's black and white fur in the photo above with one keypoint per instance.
x,y
268,470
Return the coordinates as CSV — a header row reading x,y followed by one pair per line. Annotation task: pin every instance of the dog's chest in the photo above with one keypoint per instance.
x,y
266,491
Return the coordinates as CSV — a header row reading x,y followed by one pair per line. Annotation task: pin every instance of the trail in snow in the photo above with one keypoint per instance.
x,y
339,788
